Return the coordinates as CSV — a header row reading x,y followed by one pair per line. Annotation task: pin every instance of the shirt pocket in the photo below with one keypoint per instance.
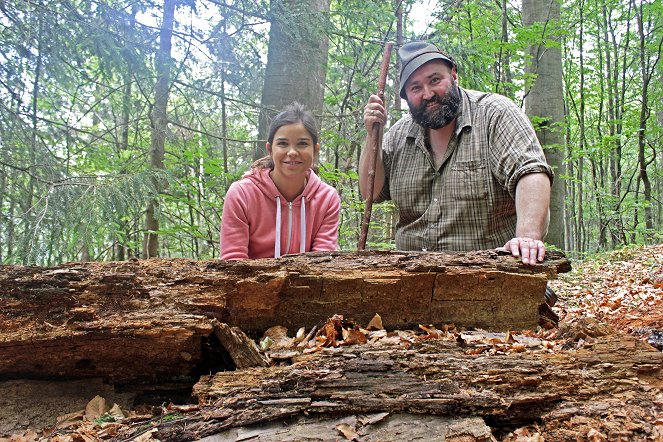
x,y
468,180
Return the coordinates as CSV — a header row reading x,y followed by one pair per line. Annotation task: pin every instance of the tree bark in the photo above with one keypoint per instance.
x,y
646,74
610,386
546,100
159,119
142,322
296,61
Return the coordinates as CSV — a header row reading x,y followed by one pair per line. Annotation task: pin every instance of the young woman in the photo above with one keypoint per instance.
x,y
281,206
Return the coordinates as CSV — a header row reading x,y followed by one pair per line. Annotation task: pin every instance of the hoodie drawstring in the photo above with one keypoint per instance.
x,y
277,238
302,228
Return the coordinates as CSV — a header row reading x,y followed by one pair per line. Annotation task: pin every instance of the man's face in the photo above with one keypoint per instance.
x,y
432,95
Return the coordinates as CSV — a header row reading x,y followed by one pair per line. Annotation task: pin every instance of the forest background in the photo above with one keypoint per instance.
x,y
122,123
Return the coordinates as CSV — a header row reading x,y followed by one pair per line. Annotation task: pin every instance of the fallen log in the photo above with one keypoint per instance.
x,y
609,386
145,322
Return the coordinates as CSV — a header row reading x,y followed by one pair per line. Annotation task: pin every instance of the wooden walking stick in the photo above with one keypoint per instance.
x,y
375,143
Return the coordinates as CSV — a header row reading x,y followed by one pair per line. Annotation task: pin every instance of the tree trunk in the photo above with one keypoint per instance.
x,y
546,100
503,77
296,61
27,253
646,73
107,319
159,119
617,233
397,63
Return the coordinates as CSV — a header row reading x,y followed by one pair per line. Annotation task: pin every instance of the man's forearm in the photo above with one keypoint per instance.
x,y
533,206
364,171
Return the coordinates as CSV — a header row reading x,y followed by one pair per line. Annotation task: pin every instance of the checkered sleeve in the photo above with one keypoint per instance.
x,y
515,149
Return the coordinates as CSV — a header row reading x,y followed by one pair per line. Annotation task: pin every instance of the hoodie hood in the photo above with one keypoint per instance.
x,y
264,183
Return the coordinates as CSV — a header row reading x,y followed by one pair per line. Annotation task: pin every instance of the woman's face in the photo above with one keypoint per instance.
x,y
292,150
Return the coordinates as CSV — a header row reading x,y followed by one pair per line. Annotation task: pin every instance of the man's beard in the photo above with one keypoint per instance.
x,y
440,115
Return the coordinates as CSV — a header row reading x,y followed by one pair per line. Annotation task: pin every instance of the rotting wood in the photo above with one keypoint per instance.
x,y
375,427
612,385
146,321
242,349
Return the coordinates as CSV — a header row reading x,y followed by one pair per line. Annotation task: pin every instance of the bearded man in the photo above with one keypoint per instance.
x,y
464,168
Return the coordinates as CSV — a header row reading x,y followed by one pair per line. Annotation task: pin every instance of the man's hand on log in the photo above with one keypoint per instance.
x,y
529,250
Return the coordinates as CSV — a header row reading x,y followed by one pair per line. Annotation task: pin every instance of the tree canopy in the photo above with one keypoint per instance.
x,y
80,107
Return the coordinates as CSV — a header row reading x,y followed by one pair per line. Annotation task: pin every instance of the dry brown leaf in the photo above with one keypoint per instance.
x,y
347,431
375,323
449,328
596,436
109,429
518,348
331,331
116,412
475,350
69,419
85,436
373,419
524,435
95,408
431,332
509,338
354,337
148,436
279,337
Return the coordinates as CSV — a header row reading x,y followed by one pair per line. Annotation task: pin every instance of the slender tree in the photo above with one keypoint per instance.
x,y
159,119
647,67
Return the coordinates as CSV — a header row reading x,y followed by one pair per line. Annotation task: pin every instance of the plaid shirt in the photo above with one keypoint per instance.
x,y
469,202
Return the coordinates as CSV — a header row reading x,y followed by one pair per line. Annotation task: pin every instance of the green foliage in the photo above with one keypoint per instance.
x,y
76,94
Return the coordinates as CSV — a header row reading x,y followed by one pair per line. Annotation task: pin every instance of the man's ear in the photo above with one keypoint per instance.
x,y
454,73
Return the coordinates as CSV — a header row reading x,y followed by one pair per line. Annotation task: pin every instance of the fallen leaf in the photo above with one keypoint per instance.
x,y
373,419
70,418
109,429
95,408
596,436
347,431
148,436
279,336
116,412
376,323
431,332
518,348
523,435
355,337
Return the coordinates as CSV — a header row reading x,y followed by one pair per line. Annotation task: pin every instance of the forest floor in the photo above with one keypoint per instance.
x,y
619,292
622,289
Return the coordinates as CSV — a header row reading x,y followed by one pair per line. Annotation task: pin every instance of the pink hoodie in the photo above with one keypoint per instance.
x,y
255,214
